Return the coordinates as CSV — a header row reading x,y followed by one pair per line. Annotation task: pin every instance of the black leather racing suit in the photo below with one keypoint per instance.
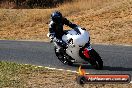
x,y
56,29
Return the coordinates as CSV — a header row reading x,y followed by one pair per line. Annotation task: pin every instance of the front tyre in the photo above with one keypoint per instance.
x,y
95,60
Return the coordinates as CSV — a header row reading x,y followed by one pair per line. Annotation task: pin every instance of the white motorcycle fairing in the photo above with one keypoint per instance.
x,y
79,39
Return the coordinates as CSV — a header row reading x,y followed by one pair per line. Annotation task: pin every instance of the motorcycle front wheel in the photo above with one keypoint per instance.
x,y
95,60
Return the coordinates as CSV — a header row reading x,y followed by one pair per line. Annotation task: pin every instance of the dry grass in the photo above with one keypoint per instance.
x,y
108,21
14,75
111,23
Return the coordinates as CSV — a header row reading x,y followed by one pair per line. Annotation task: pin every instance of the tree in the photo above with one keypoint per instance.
x,y
17,3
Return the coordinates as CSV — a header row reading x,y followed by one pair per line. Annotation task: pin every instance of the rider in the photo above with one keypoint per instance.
x,y
56,28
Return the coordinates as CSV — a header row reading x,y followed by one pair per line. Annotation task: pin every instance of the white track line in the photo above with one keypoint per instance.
x,y
66,70
59,69
62,70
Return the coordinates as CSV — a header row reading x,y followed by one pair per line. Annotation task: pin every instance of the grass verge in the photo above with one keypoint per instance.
x,y
14,75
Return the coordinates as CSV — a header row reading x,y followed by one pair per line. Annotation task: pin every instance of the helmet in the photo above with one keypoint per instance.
x,y
56,16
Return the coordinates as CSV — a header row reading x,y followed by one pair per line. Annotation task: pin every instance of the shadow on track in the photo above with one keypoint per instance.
x,y
110,68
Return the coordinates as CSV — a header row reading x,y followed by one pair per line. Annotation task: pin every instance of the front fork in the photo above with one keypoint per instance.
x,y
85,52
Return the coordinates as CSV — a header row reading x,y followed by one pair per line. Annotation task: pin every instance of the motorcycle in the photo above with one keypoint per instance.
x,y
78,49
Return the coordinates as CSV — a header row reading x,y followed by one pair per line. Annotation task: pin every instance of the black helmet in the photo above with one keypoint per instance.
x,y
56,16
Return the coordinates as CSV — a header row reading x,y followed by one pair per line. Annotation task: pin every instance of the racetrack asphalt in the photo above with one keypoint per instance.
x,y
117,58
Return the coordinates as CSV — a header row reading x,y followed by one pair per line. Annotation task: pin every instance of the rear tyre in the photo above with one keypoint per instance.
x,y
63,57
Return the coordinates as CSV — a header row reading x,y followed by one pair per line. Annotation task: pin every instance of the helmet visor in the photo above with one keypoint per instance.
x,y
57,19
